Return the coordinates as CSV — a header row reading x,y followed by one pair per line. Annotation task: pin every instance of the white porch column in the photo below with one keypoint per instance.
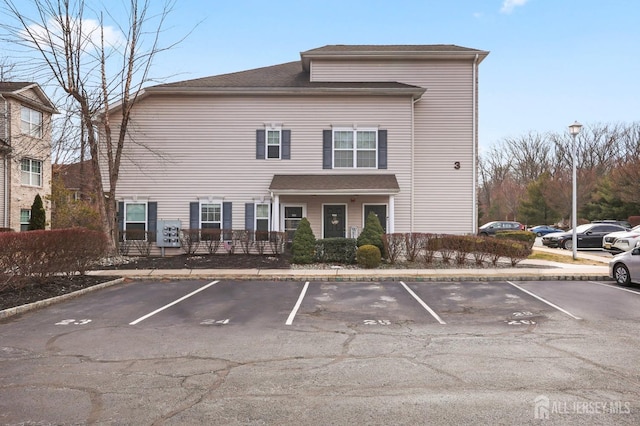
x,y
392,215
275,212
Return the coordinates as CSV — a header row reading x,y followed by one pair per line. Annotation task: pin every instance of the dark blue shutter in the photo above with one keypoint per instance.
x,y
249,216
327,151
152,220
227,221
260,144
120,220
194,215
286,145
382,149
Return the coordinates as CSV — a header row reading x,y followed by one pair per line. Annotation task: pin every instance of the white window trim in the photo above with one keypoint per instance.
x,y
34,127
355,149
275,129
28,220
207,202
146,217
31,173
255,216
283,218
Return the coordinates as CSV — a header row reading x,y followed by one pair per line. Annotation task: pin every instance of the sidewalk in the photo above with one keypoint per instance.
x,y
527,270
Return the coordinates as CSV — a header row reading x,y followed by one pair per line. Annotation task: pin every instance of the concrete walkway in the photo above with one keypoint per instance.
x,y
526,270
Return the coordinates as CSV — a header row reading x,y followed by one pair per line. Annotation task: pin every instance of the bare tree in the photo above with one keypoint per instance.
x,y
98,68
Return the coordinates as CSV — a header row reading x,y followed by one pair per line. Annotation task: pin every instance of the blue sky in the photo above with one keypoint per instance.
x,y
551,61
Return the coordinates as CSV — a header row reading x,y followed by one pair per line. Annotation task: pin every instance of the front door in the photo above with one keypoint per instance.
x,y
334,220
379,210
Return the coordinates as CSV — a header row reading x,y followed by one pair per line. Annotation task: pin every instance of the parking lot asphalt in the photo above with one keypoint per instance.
x,y
221,351
495,346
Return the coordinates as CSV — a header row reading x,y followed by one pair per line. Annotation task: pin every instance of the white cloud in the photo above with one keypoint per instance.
x,y
52,34
509,5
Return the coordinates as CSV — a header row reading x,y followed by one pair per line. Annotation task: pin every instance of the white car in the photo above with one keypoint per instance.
x,y
628,240
625,267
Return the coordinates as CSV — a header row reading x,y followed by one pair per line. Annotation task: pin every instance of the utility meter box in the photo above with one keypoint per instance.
x,y
168,233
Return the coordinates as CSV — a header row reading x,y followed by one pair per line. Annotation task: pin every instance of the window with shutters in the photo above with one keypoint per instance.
x,y
273,143
211,215
135,221
355,148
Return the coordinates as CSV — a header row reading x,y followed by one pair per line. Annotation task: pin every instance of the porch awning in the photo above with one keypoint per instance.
x,y
372,184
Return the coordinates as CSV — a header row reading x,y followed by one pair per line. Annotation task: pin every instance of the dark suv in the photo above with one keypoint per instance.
x,y
491,228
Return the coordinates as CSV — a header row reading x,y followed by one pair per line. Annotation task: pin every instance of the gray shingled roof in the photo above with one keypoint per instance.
x,y
12,86
346,184
288,75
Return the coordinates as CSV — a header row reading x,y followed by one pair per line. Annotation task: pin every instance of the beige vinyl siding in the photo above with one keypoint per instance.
x,y
443,134
205,146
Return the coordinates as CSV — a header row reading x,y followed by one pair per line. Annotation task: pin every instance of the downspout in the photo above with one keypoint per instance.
x,y
474,126
413,141
5,195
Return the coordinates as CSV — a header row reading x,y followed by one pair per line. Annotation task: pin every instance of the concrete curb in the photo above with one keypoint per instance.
x,y
17,310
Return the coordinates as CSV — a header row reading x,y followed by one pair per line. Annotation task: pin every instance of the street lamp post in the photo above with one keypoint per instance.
x,y
574,129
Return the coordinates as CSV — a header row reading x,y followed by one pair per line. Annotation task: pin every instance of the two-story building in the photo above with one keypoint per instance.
x,y
25,151
344,131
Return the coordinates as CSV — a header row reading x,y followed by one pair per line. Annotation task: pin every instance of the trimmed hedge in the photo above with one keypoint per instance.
x,y
368,256
336,250
36,255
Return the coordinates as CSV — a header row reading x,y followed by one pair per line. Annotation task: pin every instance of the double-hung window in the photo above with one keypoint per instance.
x,y
25,217
274,138
31,122
135,221
355,148
211,215
31,172
262,224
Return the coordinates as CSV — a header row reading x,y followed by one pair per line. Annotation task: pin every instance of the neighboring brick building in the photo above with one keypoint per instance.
x,y
25,151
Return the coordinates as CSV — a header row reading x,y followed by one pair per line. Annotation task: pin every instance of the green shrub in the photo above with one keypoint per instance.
x,y
372,233
336,250
38,218
304,243
368,256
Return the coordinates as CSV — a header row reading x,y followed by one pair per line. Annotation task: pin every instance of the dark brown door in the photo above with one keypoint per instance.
x,y
334,220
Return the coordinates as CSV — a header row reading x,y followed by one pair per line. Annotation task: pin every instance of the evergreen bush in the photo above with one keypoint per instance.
x,y
304,243
38,218
372,233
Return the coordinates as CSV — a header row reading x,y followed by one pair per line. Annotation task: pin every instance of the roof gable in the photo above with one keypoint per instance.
x,y
18,90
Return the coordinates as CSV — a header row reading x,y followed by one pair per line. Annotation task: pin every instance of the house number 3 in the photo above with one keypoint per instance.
x,y
456,165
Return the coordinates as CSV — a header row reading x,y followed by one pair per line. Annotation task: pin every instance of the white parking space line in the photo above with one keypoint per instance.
x,y
421,302
173,303
615,287
293,313
544,301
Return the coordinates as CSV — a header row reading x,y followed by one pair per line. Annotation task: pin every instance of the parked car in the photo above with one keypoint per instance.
x,y
542,230
620,241
623,223
589,236
490,228
625,267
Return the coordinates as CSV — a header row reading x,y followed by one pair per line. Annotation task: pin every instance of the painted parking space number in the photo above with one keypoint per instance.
x,y
377,322
521,320
74,322
215,322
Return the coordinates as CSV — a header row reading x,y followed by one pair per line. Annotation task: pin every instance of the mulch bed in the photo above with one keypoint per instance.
x,y
57,286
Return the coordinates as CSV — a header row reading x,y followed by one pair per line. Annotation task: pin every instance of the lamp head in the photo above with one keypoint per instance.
x,y
574,129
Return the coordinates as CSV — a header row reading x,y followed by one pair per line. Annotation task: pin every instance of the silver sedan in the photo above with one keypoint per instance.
x,y
625,267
